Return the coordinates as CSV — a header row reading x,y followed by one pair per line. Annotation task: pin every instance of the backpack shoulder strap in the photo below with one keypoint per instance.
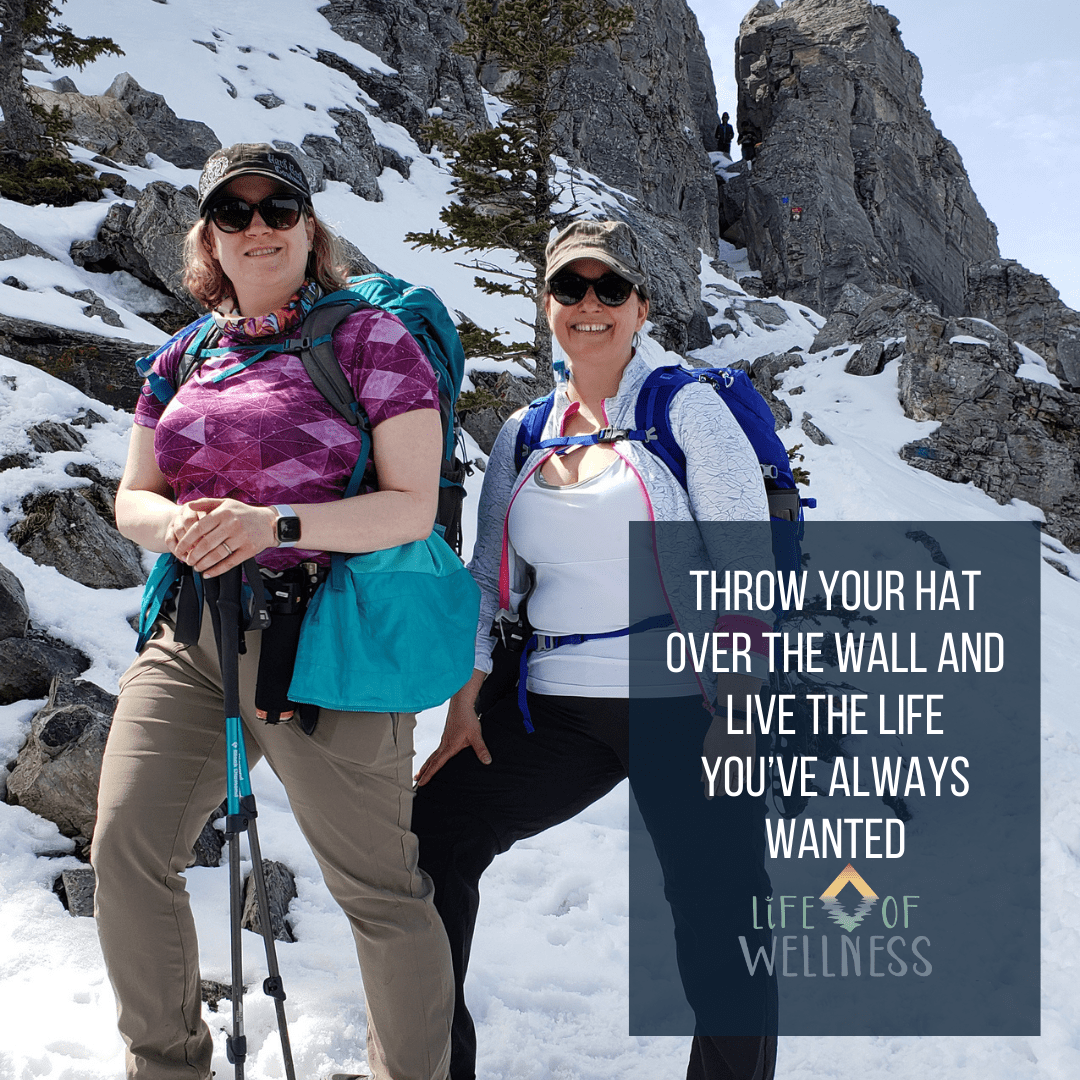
x,y
206,337
652,414
316,351
531,429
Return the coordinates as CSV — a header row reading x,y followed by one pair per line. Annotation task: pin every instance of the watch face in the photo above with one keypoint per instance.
x,y
288,530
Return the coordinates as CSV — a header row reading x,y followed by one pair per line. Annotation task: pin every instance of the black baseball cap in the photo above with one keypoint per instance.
x,y
250,159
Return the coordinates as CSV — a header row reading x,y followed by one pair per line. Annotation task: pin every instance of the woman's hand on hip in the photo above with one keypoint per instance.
x,y
214,535
462,730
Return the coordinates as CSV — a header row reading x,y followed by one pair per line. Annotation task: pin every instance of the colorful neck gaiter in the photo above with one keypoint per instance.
x,y
283,320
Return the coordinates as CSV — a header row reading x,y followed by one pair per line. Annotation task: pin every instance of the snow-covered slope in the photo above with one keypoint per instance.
x,y
549,968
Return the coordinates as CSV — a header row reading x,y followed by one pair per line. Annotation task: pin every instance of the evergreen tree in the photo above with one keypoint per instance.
x,y
505,186
36,166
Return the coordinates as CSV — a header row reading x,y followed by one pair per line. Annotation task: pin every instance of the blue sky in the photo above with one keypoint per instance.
x,y
1002,81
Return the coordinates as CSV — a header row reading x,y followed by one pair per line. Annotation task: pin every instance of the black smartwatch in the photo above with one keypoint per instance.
x,y
287,526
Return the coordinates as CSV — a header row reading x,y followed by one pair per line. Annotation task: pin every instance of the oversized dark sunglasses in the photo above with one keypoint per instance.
x,y
570,288
280,212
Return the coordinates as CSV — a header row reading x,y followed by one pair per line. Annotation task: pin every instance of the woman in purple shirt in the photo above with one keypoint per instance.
x,y
248,460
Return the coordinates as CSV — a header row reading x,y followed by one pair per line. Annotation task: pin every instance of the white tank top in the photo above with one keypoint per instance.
x,y
576,538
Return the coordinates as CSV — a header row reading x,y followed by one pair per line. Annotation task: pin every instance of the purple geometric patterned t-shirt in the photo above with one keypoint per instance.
x,y
265,435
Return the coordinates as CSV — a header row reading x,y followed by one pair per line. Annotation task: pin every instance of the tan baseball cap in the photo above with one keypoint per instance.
x,y
613,243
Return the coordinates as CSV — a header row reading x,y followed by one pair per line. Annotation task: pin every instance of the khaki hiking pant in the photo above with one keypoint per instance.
x,y
350,788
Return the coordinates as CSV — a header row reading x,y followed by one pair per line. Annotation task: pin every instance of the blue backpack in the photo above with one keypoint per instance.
x,y
424,316
653,429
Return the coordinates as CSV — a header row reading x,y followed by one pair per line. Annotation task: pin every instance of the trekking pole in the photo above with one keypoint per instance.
x,y
223,596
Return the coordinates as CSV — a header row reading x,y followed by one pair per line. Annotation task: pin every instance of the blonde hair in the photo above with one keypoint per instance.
x,y
207,282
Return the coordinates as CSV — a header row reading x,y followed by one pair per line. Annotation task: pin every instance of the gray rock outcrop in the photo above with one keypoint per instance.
x,y
13,246
145,240
883,199
416,39
1028,308
66,529
99,123
1013,438
103,368
57,771
353,157
186,143
641,112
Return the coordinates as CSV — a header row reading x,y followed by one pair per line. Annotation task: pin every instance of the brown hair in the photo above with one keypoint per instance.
x,y
206,281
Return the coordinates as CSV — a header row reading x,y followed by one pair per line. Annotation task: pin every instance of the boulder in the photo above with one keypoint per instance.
x,y
853,183
57,771
280,889
98,123
14,610
29,664
145,240
49,436
64,529
186,143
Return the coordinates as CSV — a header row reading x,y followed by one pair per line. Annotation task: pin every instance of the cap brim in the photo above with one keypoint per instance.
x,y
564,258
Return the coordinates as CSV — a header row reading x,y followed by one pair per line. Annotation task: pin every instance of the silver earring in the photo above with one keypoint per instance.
x,y
635,341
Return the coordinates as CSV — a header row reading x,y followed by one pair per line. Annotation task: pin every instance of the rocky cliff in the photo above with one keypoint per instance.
x,y
852,182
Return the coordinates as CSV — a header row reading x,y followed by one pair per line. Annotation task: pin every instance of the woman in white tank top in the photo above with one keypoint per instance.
x,y
557,532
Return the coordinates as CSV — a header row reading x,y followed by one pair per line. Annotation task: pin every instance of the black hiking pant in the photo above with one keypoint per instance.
x,y
469,813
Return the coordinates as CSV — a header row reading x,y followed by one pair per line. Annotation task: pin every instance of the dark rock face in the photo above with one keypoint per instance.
x,y
834,98
50,436
101,367
65,529
1027,307
57,771
641,112
352,157
415,39
280,889
186,143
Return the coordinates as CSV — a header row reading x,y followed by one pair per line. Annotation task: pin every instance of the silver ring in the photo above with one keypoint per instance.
x,y
226,547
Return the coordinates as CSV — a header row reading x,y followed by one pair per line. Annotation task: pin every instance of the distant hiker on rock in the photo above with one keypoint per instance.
x,y
247,460
552,531
724,134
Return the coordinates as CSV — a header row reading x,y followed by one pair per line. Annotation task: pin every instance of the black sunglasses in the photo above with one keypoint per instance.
x,y
570,288
280,212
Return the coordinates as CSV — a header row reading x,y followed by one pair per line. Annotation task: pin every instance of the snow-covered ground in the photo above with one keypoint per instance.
x,y
549,971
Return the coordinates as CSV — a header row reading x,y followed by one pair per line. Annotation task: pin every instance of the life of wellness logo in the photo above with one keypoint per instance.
x,y
877,941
